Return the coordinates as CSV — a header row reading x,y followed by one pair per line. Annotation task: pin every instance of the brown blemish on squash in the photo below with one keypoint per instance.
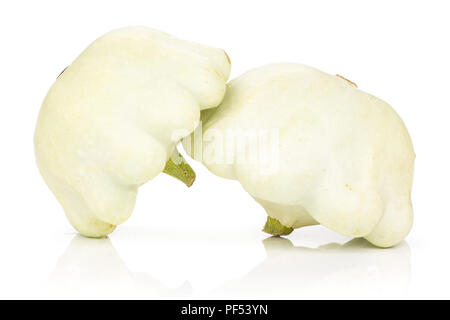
x,y
62,72
345,79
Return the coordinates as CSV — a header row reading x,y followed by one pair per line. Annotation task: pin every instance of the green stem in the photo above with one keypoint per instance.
x,y
274,227
178,168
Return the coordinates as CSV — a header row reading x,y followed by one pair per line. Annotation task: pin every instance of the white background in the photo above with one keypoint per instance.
x,y
205,242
